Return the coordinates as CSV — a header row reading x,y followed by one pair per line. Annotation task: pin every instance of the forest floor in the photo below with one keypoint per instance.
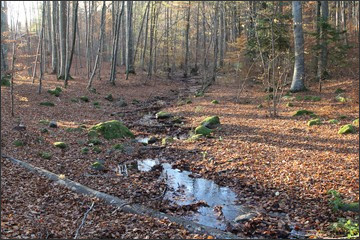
x,y
279,167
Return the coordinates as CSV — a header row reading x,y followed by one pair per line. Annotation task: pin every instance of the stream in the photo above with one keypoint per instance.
x,y
185,190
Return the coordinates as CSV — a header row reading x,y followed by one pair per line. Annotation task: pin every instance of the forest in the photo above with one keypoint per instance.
x,y
179,119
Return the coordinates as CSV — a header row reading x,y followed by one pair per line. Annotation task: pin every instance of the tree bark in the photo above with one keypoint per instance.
x,y
129,39
54,25
299,66
75,17
62,33
186,65
102,26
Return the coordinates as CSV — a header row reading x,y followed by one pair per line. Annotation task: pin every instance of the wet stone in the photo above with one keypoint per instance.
x,y
53,124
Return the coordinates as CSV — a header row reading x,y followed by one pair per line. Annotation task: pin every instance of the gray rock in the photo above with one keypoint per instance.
x,y
121,103
245,217
53,124
152,140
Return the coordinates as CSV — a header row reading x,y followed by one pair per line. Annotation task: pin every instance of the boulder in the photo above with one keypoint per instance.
x,y
215,102
348,128
109,97
112,129
312,122
333,121
202,130
303,112
53,124
211,122
356,122
167,140
121,103
245,217
98,165
162,115
61,145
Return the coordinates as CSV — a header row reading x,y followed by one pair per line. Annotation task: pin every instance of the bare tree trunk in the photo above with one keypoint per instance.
x,y
62,33
299,67
186,65
129,40
222,35
216,41
12,75
141,29
115,45
204,36
145,37
152,26
197,36
28,43
322,59
102,26
75,17
54,57
343,20
41,46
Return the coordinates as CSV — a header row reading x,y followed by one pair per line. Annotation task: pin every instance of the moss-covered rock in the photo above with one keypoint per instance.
x,y
44,130
56,92
342,117
96,104
84,99
348,128
289,104
202,130
97,166
356,122
45,122
45,155
312,98
260,106
112,129
339,90
94,141
303,112
97,149
215,102
353,207
93,133
312,122
61,145
188,101
211,122
48,104
162,115
18,143
77,129
167,140
340,98
85,150
177,119
75,100
334,121
109,97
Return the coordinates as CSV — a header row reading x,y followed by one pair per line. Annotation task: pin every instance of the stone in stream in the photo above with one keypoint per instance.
x,y
152,140
98,165
245,217
53,124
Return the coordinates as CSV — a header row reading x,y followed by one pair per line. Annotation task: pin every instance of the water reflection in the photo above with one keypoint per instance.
x,y
184,190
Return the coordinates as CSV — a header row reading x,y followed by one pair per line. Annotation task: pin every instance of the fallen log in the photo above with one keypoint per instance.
x,y
126,207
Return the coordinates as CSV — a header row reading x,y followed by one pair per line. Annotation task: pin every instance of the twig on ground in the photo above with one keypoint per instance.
x,y
83,220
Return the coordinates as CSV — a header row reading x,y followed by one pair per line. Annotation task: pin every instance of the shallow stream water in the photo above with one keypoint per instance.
x,y
184,190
